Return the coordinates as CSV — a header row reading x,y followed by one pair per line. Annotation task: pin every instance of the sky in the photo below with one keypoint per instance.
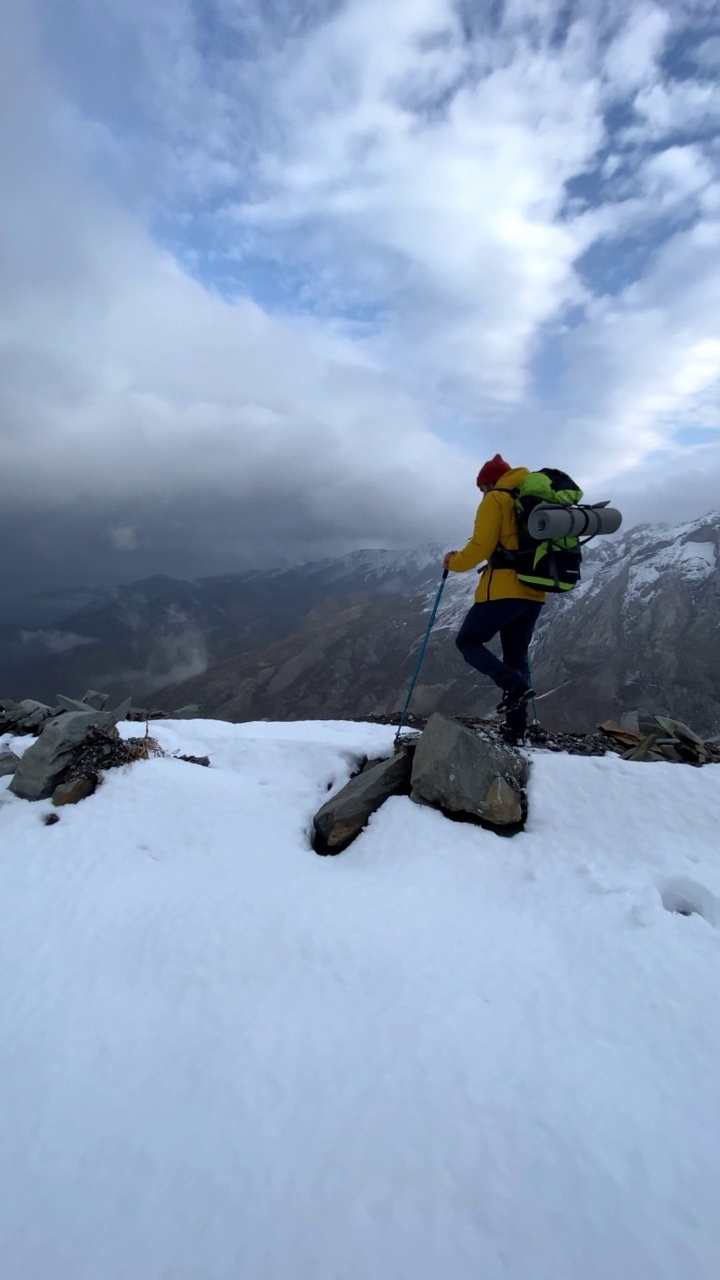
x,y
277,276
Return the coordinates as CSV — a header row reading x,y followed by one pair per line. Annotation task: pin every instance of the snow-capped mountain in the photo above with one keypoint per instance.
x,y
340,637
642,629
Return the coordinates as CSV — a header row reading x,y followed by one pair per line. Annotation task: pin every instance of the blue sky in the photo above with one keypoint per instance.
x,y
310,264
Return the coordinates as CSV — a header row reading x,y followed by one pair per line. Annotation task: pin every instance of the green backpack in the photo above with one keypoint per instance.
x,y
550,565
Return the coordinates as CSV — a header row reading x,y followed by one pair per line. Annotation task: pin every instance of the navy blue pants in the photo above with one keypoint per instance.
x,y
515,621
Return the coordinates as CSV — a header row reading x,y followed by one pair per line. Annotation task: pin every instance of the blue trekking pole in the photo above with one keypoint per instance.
x,y
534,727
424,646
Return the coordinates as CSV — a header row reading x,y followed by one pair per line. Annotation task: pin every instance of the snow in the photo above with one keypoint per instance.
x,y
440,1054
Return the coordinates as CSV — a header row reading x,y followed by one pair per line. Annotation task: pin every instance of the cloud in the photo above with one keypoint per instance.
x,y
275,278
124,538
54,641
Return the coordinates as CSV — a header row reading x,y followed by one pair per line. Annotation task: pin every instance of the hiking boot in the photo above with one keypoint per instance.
x,y
513,699
513,735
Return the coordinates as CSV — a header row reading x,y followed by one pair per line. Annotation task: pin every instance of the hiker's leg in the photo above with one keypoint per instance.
x,y
482,623
516,635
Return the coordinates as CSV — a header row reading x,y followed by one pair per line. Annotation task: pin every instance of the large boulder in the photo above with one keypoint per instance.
x,y
43,765
343,817
467,776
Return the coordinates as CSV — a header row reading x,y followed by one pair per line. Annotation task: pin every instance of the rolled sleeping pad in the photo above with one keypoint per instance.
x,y
547,521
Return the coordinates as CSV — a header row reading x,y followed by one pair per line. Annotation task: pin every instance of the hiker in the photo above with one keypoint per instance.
x,y
503,604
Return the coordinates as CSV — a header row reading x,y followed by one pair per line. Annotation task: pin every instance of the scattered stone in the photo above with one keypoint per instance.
x,y
46,762
138,714
344,816
23,717
75,791
574,744
50,819
659,738
203,760
189,712
8,763
9,714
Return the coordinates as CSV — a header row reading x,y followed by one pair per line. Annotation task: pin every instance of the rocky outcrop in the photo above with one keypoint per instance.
x,y
460,772
76,739
27,716
45,763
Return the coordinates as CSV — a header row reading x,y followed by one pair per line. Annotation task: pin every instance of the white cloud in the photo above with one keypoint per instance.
x,y
632,58
403,185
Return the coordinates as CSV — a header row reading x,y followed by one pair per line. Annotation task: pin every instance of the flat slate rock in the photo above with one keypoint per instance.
x,y
343,817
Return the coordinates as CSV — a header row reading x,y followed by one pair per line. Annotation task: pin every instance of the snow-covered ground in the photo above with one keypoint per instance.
x,y
440,1056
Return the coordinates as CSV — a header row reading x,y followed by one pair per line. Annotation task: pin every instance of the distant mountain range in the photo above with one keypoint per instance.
x,y
340,637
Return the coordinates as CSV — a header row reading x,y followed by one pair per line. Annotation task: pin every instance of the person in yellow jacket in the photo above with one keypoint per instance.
x,y
503,604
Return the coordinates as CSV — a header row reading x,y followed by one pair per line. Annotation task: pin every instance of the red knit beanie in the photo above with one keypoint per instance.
x,y
491,472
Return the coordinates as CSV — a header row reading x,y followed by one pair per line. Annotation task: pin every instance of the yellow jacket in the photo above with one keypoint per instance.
x,y
496,525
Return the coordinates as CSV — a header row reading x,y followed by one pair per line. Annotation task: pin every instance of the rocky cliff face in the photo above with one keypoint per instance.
x,y
340,638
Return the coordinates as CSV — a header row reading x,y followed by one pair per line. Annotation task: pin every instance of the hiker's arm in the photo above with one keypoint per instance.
x,y
484,540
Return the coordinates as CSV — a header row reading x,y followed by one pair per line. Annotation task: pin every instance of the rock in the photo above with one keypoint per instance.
x,y
43,764
343,817
458,771
8,714
73,792
50,819
27,716
189,712
8,763
203,760
74,704
121,710
138,714
502,805
98,701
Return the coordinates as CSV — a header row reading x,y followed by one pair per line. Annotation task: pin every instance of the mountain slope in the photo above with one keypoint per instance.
x,y
340,638
134,639
643,629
